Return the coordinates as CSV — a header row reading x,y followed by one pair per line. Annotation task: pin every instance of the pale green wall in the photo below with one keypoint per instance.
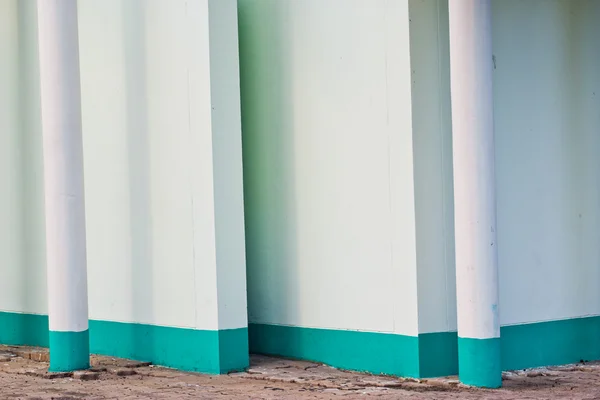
x,y
342,140
22,237
546,125
547,97
327,128
432,135
162,144
546,90
162,154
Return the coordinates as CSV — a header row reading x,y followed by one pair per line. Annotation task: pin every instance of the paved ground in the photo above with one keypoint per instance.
x,y
23,376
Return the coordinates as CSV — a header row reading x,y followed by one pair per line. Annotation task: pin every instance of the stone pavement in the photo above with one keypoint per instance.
x,y
23,375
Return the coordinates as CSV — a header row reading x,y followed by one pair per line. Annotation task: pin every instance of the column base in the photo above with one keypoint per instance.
x,y
479,362
69,351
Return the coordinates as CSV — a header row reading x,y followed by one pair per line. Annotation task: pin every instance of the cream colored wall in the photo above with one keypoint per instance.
x,y
162,153
547,97
328,149
546,124
331,122
163,165
22,237
432,135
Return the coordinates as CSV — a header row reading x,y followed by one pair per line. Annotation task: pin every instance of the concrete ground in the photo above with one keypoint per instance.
x,y
23,375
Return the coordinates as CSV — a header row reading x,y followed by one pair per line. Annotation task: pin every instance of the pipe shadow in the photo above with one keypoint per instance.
x,y
32,240
140,202
269,170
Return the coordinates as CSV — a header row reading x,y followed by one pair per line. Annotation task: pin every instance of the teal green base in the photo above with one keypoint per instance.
x,y
214,352
23,329
438,354
429,355
69,351
376,353
550,343
479,362
521,346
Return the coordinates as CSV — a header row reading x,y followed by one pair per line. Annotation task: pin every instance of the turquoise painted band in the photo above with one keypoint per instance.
x,y
377,353
523,346
69,351
207,351
479,362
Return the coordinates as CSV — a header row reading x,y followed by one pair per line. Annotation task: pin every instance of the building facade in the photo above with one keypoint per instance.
x,y
393,186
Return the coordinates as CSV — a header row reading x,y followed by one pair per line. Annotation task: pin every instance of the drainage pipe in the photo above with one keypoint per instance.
x,y
474,192
64,190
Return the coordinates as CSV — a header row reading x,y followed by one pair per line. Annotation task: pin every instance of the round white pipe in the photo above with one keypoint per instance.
x,y
64,187
474,188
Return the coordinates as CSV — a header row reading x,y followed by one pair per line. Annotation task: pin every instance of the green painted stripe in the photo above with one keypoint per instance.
x,y
438,354
550,343
522,346
214,352
377,353
23,329
425,356
531,345
479,362
233,350
69,351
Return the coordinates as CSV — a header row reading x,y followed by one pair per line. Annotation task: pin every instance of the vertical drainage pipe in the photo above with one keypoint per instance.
x,y
64,188
474,193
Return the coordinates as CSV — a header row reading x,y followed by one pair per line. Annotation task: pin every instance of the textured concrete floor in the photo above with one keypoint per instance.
x,y
23,375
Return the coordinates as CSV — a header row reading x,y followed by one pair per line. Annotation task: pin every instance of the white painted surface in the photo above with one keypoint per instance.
x,y
546,122
10,163
22,233
161,133
227,161
545,103
162,144
328,164
547,97
432,136
135,115
474,175
63,165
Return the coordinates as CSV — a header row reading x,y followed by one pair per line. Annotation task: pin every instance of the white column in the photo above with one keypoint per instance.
x,y
64,192
474,192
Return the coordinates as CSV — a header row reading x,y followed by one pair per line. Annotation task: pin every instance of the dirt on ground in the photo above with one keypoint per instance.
x,y
23,375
